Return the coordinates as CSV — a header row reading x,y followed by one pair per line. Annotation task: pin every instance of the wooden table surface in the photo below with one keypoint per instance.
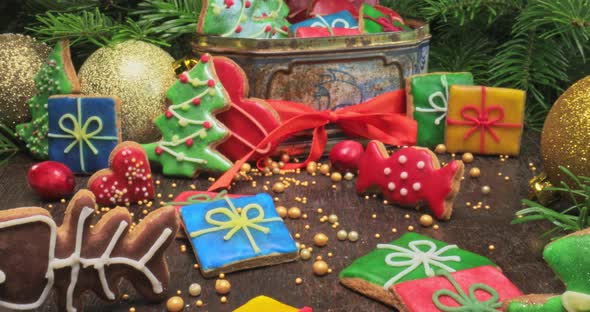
x,y
517,247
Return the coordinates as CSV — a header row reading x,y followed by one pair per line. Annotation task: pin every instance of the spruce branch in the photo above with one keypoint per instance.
x,y
8,145
63,6
462,11
173,18
530,63
565,20
571,219
82,28
132,30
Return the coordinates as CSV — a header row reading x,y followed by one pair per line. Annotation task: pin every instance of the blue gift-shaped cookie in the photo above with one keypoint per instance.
x,y
342,19
233,234
83,131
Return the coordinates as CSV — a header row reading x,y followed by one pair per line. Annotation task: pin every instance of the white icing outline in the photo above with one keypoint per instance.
x,y
417,257
435,108
74,261
574,301
2,277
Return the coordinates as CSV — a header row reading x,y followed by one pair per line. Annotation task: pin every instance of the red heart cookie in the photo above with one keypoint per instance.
x,y
249,120
128,180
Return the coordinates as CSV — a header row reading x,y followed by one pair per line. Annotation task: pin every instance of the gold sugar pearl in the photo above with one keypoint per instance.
x,y
474,172
199,303
278,187
285,158
436,227
491,247
341,235
132,309
223,299
407,216
467,158
194,289
410,228
125,297
222,286
440,149
506,178
377,235
336,177
486,189
175,304
305,254
298,281
282,211
353,236
426,220
320,239
312,167
348,176
294,213
332,218
325,169
320,268
246,167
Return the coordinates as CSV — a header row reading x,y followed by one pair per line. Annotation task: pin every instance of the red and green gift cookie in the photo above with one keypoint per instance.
x,y
379,19
244,18
409,258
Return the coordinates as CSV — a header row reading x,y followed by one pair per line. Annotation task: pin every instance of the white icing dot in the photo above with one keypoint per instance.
x,y
180,156
420,165
403,191
403,175
416,186
2,277
391,186
402,159
387,171
104,179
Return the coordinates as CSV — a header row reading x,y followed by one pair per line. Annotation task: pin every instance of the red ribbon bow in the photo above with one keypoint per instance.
x,y
381,118
480,120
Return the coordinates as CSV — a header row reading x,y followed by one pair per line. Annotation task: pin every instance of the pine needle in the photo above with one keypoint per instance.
x,y
8,145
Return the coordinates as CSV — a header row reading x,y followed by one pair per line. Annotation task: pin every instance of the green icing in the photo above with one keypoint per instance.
x,y
374,269
51,79
552,305
187,145
370,26
245,18
430,99
570,259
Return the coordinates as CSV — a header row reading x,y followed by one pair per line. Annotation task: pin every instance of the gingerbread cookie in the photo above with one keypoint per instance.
x,y
83,130
249,120
479,289
244,18
410,176
56,76
38,256
264,303
568,257
128,179
411,257
232,234
190,129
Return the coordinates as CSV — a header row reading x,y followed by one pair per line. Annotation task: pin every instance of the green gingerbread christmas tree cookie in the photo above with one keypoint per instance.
x,y
189,128
244,18
569,258
56,76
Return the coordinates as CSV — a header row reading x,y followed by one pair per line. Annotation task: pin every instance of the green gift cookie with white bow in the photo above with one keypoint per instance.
x,y
569,258
411,257
427,101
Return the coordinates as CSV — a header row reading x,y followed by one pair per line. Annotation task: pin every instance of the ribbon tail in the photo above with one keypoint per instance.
x,y
318,144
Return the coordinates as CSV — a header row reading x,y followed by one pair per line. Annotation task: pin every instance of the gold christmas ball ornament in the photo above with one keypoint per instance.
x,y
20,58
137,72
565,140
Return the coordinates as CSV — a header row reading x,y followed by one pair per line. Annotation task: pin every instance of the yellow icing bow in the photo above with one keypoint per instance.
x,y
80,133
237,220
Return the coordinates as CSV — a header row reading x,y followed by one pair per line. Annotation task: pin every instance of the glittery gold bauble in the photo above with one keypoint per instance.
x,y
137,72
20,59
566,135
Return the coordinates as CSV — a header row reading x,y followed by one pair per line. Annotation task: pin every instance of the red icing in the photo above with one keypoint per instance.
x,y
392,176
239,29
267,28
306,309
327,7
205,58
128,180
391,13
169,114
248,4
207,125
229,3
211,83
183,78
189,142
312,32
249,120
196,101
159,150
417,295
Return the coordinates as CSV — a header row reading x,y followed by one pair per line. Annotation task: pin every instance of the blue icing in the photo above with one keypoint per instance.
x,y
104,141
342,19
214,252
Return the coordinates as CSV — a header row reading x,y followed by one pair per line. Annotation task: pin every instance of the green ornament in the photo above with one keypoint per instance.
x,y
244,18
428,97
56,76
189,128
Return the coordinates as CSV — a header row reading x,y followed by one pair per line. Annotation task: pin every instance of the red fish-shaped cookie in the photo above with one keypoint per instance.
x,y
410,176
128,180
